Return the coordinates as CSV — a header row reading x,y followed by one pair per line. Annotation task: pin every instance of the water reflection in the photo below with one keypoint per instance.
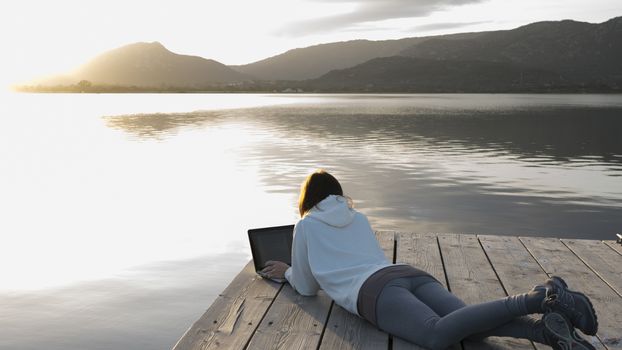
x,y
559,135
581,136
529,169
158,125
148,307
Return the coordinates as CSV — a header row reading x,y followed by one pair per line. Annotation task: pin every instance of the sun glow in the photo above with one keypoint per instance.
x,y
82,204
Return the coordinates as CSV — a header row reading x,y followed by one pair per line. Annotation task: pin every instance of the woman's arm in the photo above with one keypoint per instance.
x,y
299,274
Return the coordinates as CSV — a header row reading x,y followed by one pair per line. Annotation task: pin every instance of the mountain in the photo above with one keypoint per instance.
x,y
412,74
314,61
578,51
544,56
152,65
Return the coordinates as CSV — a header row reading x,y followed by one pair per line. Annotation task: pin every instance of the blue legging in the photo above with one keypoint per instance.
x,y
420,310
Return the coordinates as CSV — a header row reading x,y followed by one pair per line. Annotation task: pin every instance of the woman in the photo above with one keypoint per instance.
x,y
335,249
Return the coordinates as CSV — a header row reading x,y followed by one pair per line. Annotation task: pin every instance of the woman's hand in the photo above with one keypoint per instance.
x,y
275,269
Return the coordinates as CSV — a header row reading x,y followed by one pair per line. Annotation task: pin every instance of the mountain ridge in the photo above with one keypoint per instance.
x,y
152,64
413,74
562,55
313,61
576,50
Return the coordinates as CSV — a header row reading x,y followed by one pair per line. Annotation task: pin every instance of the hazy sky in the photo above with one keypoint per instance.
x,y
46,37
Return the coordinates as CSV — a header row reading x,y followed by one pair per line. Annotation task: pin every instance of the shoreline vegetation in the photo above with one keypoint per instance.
x,y
301,87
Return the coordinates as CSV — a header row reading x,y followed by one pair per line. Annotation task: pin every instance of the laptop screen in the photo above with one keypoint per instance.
x,y
271,243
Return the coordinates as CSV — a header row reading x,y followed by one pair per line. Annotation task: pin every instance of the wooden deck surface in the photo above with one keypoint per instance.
x,y
253,313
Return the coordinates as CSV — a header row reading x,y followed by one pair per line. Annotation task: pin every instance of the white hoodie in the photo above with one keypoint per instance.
x,y
336,250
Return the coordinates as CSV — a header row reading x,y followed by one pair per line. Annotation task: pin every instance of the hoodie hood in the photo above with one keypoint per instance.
x,y
333,210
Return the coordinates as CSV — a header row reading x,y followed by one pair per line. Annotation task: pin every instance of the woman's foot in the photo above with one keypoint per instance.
x,y
559,333
575,306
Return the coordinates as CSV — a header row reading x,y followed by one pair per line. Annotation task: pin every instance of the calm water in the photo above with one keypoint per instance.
x,y
123,216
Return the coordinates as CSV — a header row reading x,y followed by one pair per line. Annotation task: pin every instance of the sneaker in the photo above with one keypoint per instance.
x,y
575,306
560,335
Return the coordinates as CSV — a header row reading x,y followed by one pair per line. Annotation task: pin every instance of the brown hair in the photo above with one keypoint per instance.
x,y
316,188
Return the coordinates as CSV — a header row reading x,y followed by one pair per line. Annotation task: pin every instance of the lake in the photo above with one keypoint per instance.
x,y
124,216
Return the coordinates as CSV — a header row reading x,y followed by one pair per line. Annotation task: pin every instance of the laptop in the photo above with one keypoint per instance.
x,y
271,243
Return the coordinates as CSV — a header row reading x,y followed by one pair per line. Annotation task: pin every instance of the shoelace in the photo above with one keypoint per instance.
x,y
553,301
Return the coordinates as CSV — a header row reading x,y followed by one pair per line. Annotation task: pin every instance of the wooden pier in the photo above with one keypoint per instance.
x,y
253,313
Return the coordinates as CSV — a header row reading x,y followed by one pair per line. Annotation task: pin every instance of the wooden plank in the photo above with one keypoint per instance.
x,y
231,320
517,270
345,330
421,251
614,245
556,259
471,278
603,260
292,322
386,239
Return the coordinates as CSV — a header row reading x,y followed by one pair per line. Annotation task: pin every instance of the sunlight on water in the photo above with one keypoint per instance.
x,y
115,104
81,204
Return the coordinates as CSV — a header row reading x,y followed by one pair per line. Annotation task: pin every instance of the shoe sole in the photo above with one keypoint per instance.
x,y
583,298
568,337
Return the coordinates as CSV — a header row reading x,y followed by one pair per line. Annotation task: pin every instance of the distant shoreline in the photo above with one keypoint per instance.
x,y
105,89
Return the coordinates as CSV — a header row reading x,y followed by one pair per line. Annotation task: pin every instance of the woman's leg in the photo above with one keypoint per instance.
x,y
444,302
524,327
436,296
404,311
